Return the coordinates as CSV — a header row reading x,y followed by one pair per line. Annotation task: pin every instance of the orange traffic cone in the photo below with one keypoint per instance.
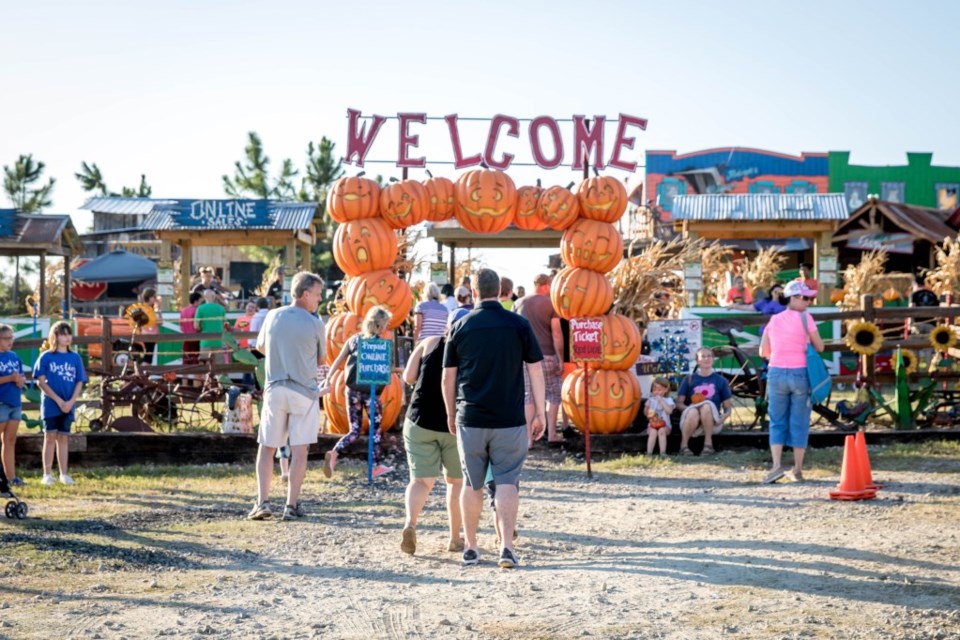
x,y
851,483
863,462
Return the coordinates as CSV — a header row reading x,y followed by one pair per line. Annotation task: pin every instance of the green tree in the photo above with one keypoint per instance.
x,y
19,181
251,178
91,179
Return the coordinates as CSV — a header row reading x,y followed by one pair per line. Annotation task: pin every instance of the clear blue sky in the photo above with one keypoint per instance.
x,y
170,89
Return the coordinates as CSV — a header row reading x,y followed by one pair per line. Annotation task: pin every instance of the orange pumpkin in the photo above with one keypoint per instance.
x,y
339,328
891,295
404,204
335,405
486,201
620,338
384,288
443,198
697,398
592,245
577,292
366,245
558,207
527,218
602,198
353,198
656,422
614,400
837,295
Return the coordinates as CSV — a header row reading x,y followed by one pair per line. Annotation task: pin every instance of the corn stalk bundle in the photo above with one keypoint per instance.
x,y
716,263
945,277
408,258
762,270
647,285
859,279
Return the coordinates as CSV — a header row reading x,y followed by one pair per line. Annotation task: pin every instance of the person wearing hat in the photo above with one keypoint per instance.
x,y
207,281
784,343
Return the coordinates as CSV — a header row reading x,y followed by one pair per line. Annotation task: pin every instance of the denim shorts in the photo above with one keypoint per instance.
x,y
58,424
788,394
9,413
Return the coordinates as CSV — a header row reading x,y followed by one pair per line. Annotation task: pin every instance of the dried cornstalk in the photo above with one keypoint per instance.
x,y
762,270
647,286
859,279
945,277
715,259
408,258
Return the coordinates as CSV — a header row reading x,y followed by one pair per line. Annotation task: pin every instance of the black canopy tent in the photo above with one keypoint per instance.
x,y
117,266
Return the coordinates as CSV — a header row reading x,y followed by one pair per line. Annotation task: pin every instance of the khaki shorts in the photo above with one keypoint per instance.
x,y
428,450
289,415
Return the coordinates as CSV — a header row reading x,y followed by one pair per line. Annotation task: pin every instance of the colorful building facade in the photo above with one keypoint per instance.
x,y
919,182
732,170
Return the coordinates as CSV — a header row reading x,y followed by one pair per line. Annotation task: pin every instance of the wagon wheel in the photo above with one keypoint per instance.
x,y
11,510
22,511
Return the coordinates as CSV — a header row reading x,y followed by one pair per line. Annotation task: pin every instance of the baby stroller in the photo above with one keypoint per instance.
x,y
15,508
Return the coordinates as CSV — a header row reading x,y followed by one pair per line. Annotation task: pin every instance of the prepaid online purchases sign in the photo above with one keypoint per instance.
x,y
374,362
585,343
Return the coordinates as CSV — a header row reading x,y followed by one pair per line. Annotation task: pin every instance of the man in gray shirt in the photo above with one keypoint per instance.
x,y
292,342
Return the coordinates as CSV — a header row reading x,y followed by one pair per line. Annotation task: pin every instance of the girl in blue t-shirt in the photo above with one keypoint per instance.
x,y
59,372
11,384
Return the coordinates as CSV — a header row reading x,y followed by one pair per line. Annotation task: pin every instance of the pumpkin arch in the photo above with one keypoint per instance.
x,y
364,245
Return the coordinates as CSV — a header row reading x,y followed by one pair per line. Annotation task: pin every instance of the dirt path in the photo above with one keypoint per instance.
x,y
660,550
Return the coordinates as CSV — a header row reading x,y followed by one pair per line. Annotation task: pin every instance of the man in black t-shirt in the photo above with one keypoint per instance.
x,y
922,296
483,392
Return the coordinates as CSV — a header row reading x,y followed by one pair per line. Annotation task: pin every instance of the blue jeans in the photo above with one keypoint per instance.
x,y
788,394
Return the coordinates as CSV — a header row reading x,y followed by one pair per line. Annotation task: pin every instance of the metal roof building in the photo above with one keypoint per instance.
x,y
760,207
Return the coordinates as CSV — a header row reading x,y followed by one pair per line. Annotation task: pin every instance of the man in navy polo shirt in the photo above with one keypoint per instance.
x,y
483,393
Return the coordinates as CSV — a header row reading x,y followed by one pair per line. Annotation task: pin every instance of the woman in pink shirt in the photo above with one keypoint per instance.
x,y
784,342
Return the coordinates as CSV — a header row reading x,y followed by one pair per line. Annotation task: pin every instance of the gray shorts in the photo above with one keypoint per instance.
x,y
503,450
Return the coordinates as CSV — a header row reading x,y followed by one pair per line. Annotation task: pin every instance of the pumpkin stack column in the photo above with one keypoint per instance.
x,y
591,247
365,247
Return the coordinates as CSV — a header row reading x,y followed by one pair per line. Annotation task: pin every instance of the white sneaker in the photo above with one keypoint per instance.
x,y
48,479
65,479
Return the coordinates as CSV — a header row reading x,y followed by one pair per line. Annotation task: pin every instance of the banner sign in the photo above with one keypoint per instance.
x,y
585,343
220,214
374,361
890,242
543,133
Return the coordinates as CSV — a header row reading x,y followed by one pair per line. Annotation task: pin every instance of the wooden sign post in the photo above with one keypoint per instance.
x,y
374,367
586,347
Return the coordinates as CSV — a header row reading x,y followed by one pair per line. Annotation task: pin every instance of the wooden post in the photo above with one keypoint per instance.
x,y
186,257
106,344
869,315
453,266
305,256
290,259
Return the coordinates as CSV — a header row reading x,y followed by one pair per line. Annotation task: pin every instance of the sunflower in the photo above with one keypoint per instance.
x,y
910,360
943,338
141,315
864,338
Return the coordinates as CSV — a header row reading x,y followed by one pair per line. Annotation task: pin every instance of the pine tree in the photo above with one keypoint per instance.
x,y
252,178
18,182
91,179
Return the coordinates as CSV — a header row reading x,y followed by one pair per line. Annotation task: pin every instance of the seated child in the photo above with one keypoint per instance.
x,y
658,409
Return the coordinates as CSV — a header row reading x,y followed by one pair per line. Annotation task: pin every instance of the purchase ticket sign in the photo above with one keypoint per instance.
x,y
585,339
374,361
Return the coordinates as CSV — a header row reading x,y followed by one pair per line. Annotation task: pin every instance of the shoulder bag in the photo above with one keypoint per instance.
x,y
817,374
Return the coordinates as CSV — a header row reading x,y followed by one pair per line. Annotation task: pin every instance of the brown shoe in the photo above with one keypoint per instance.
x,y
328,464
455,545
408,540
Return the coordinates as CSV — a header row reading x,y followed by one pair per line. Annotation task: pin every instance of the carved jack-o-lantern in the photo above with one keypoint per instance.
x,y
366,245
577,292
339,328
353,198
380,288
443,198
620,338
558,207
614,400
592,245
602,198
486,201
335,405
404,204
527,217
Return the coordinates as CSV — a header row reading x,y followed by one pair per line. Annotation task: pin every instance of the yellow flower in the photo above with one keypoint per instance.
x,y
864,338
141,315
943,338
910,360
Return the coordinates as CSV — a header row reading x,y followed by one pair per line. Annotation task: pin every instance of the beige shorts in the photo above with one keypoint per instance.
x,y
287,415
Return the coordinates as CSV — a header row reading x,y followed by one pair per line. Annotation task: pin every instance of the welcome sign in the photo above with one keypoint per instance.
x,y
543,133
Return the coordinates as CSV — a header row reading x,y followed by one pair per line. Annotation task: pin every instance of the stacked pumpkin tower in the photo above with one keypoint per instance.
x,y
365,249
591,247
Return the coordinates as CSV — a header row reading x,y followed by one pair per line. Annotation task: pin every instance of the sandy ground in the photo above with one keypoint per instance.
x,y
663,549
